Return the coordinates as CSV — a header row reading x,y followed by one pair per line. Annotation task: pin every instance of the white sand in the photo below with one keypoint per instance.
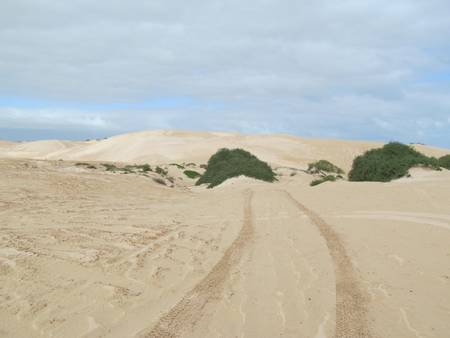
x,y
87,253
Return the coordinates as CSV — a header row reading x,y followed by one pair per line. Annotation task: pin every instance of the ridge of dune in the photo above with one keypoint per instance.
x,y
163,146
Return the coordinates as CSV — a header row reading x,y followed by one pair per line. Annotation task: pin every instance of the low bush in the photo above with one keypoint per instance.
x,y
179,166
228,163
323,166
191,174
330,178
110,167
391,161
161,171
444,162
144,167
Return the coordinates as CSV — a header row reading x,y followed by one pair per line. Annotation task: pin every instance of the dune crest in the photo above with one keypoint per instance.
x,y
163,146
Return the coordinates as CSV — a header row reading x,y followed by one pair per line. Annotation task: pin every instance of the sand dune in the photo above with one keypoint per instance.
x,y
181,146
90,253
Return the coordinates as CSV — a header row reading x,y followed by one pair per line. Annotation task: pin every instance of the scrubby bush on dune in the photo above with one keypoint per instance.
x,y
110,167
444,162
326,170
161,171
323,166
191,174
391,161
179,166
331,178
144,167
226,163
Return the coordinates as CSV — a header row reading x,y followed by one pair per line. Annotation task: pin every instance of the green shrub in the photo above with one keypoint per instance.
x,y
179,166
144,167
110,167
191,174
444,162
391,161
323,166
226,163
331,178
161,171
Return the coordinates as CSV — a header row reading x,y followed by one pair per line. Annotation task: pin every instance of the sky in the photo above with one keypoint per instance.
x,y
351,69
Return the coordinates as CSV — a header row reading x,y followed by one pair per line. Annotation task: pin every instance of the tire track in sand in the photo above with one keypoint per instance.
x,y
188,311
351,299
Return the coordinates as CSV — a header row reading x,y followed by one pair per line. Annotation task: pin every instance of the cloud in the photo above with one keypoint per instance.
x,y
310,67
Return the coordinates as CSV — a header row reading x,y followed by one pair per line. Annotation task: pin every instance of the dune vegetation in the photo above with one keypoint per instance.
x,y
192,174
228,163
323,166
327,178
326,170
391,161
444,162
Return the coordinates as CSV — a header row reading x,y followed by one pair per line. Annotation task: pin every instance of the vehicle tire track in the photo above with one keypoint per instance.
x,y
188,311
351,299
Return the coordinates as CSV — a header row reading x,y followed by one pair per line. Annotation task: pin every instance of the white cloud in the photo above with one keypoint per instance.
x,y
47,118
344,61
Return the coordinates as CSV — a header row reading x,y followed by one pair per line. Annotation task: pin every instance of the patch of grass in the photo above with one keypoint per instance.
x,y
128,169
323,166
444,162
191,174
82,164
191,164
179,166
90,166
144,167
327,178
391,161
110,167
226,163
160,171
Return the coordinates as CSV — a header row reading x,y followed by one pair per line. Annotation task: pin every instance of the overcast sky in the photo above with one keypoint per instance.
x,y
356,69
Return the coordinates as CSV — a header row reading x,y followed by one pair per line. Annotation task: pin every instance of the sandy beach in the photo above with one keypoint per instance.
x,y
89,253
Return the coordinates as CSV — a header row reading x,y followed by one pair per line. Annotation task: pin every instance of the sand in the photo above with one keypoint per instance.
x,y
89,253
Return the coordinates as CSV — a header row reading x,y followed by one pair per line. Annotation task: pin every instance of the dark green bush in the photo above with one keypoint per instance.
x,y
323,166
161,171
226,163
331,178
110,167
179,166
191,174
144,167
444,162
391,161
